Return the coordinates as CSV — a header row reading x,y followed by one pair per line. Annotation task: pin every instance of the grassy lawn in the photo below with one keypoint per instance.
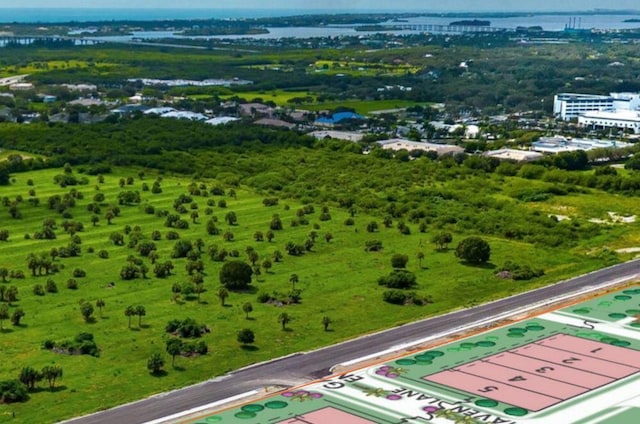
x,y
363,106
279,97
337,279
361,69
50,65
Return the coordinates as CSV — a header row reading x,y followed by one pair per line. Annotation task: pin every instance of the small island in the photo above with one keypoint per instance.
x,y
474,22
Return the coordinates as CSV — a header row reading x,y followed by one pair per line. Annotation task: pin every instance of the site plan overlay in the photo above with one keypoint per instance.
x,y
579,364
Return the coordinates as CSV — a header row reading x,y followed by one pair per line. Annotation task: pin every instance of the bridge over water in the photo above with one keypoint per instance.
x,y
30,39
450,29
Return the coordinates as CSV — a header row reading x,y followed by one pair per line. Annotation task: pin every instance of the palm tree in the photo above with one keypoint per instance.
x,y
129,312
293,279
100,304
284,319
51,373
223,294
325,322
174,348
140,311
4,314
247,307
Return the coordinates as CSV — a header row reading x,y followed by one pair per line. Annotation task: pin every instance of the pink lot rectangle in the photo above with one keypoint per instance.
x,y
575,360
325,416
594,349
493,390
550,370
523,380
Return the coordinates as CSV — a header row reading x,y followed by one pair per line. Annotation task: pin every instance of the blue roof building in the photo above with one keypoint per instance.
x,y
339,117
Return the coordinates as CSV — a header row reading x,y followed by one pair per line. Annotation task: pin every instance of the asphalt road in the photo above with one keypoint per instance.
x,y
299,368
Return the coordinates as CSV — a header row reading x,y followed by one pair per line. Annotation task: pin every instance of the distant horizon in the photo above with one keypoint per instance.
x,y
337,10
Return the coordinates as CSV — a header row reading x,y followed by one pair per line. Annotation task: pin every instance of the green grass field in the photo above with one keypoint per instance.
x,y
337,279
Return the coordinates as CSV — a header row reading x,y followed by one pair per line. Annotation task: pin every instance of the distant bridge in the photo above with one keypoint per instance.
x,y
30,39
449,28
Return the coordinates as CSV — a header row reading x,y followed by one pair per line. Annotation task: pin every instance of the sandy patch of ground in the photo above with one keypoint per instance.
x,y
629,250
614,218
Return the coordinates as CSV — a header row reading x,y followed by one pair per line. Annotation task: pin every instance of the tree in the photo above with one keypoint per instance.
x,y
474,250
231,218
4,314
399,261
266,265
246,336
100,304
140,311
29,377
86,309
129,312
109,215
11,294
174,348
284,319
293,279
51,373
442,240
420,257
247,308
328,237
235,275
325,322
270,236
277,256
4,273
222,295
155,363
17,316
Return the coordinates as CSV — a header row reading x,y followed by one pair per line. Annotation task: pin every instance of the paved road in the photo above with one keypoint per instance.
x,y
299,368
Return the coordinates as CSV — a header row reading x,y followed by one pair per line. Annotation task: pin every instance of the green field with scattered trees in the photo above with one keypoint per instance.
x,y
149,254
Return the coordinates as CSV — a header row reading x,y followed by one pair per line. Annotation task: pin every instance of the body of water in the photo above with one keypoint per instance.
x,y
549,22
59,15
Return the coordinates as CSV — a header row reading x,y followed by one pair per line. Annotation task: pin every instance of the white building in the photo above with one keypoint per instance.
x,y
623,119
560,144
567,106
339,135
514,155
400,144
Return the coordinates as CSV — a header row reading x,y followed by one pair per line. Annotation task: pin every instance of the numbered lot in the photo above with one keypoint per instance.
x,y
562,366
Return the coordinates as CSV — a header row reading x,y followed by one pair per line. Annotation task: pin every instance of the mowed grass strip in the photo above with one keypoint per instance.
x,y
337,279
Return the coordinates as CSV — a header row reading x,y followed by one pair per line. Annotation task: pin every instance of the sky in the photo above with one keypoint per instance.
x,y
417,5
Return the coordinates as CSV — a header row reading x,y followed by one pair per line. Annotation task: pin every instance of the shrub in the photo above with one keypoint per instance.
x,y
51,286
38,290
372,246
13,391
474,250
398,279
